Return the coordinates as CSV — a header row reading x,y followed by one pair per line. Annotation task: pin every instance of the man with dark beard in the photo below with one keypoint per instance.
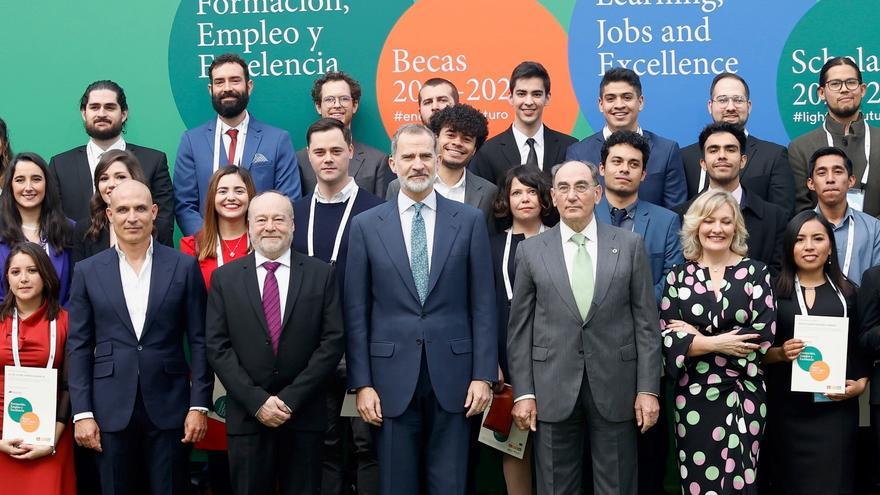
x,y
845,127
233,138
104,110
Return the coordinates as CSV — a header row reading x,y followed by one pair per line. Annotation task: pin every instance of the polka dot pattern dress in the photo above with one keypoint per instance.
x,y
720,400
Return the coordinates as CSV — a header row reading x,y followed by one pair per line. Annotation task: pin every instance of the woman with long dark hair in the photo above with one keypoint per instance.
x,y
5,148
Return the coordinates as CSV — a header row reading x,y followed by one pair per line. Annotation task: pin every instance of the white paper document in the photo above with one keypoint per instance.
x,y
30,398
513,444
821,366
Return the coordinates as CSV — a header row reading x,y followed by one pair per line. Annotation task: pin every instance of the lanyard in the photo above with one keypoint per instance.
x,y
505,260
803,305
864,180
220,250
239,146
53,335
339,231
850,237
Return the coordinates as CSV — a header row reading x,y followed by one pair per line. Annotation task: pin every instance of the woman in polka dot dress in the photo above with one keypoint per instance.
x,y
718,319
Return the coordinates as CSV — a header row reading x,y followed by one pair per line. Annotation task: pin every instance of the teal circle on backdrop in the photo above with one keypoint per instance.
x,y
18,407
220,406
807,357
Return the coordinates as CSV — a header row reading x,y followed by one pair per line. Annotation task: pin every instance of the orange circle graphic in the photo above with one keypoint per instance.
x,y
477,52
820,370
29,422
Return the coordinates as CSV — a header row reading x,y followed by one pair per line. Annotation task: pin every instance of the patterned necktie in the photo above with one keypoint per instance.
x,y
618,215
233,142
419,253
532,159
582,275
272,303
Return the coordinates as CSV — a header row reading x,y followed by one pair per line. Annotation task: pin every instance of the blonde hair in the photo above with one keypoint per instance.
x,y
702,208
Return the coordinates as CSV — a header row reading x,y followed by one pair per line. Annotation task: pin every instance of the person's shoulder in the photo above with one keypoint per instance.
x,y
497,140
201,128
766,145
871,221
471,176
366,200
808,139
70,154
566,139
370,152
658,140
658,212
752,266
266,129
187,244
372,214
309,263
101,258
302,204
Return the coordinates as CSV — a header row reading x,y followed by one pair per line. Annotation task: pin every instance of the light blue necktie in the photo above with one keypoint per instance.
x,y
419,253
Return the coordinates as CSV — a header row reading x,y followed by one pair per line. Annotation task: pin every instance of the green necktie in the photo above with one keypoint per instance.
x,y
419,253
582,275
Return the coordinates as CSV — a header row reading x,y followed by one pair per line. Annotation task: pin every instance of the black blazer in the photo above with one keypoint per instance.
x,y
500,154
86,247
71,173
767,172
240,351
869,316
369,167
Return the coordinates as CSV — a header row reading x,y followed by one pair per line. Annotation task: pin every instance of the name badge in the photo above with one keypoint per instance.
x,y
855,197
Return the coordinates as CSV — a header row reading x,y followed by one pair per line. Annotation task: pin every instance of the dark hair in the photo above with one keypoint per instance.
x,y
206,237
51,283
353,85
620,74
109,86
439,81
719,128
53,224
531,177
829,151
97,205
785,282
728,75
462,118
5,148
835,61
528,70
631,138
228,58
328,124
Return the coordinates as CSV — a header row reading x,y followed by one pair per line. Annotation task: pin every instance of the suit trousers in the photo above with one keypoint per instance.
x,y
276,460
559,451
425,449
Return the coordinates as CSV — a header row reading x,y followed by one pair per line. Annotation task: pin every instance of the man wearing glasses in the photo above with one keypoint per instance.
x,y
842,88
337,95
767,173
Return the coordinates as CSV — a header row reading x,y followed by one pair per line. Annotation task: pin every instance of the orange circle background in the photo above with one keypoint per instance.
x,y
29,422
492,47
820,370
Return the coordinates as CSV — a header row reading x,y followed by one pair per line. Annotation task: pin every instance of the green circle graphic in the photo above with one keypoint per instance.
x,y
807,357
220,406
18,407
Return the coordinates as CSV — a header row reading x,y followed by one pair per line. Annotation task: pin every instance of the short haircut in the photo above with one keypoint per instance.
x,y
528,70
332,76
620,74
722,127
228,58
439,81
266,193
529,176
699,210
728,75
594,170
410,129
462,118
835,61
328,124
631,138
109,86
829,151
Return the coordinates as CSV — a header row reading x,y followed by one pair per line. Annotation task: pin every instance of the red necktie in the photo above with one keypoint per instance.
x,y
272,303
233,141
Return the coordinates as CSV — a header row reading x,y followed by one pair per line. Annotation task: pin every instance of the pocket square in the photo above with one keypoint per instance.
x,y
259,158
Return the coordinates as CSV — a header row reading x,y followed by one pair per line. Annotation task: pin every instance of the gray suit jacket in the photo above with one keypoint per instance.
x,y
548,344
368,167
478,192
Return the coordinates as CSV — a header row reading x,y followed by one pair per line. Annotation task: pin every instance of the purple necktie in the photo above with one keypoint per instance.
x,y
272,303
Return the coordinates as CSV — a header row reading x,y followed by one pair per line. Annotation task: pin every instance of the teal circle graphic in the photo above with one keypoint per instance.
x,y
807,357
17,407
220,406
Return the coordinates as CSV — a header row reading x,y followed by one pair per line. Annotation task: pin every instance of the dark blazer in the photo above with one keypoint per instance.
x,y
369,167
108,364
71,173
869,315
500,154
86,247
767,173
240,351
665,183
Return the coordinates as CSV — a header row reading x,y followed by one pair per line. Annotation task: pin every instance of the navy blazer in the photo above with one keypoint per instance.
x,y
107,363
388,330
660,229
665,183
268,155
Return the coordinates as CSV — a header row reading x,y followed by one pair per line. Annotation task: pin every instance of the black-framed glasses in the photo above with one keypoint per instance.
x,y
836,84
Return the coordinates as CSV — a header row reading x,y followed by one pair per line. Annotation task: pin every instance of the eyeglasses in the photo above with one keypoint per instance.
x,y
738,101
579,188
331,100
836,84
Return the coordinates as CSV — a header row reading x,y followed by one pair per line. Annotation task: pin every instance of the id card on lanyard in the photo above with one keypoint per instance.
x,y
855,196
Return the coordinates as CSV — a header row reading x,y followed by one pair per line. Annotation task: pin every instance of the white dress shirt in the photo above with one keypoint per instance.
x,y
282,275
523,147
569,248
94,152
737,194
242,135
340,197
408,212
606,132
454,192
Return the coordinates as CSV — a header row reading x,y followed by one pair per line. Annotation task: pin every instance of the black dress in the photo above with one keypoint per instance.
x,y
501,300
811,446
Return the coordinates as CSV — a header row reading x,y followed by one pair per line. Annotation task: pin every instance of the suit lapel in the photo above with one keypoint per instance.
x,y
445,231
83,173
111,282
160,278
473,192
390,233
209,139
252,289
509,148
603,211
607,251
641,221
357,161
293,287
554,261
251,143
551,148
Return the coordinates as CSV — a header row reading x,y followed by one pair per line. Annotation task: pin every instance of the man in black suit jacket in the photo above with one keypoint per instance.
x,y
527,141
104,110
723,160
768,173
337,95
273,341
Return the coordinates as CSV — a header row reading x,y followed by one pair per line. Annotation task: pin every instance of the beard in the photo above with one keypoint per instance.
x,y
228,110
845,112
103,134
416,186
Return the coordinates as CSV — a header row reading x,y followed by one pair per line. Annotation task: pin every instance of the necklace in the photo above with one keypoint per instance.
x,y
717,268
32,228
232,251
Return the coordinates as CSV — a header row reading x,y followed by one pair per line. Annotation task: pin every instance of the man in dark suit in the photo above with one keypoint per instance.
x,y
420,324
235,137
134,397
337,95
274,329
461,130
621,100
104,110
723,160
767,173
527,141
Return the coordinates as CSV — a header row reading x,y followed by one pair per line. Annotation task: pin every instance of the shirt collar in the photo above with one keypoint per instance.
x,y
850,213
835,127
340,197
121,253
606,132
589,231
404,202
457,185
520,137
242,126
96,150
630,208
736,193
284,259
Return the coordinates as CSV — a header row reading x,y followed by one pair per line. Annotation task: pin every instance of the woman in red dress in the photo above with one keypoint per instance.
x,y
31,302
223,238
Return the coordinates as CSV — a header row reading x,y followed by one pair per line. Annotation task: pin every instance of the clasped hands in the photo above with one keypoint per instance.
x,y
274,412
17,449
733,343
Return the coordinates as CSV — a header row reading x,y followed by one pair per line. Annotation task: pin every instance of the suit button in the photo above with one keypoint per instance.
x,y
267,342
422,316
274,372
140,347
580,352
419,341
